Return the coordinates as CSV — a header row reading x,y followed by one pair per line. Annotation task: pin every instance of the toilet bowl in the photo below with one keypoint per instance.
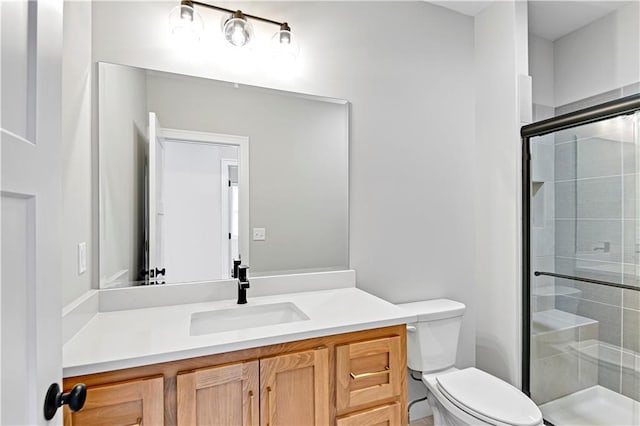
x,y
459,396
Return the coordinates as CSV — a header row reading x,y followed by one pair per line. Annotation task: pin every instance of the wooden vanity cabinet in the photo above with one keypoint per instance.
x,y
356,378
293,389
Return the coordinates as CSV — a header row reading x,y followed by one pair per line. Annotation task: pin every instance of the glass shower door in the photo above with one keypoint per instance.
x,y
584,343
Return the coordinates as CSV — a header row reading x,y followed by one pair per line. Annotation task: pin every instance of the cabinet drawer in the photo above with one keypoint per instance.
x,y
137,402
368,371
385,415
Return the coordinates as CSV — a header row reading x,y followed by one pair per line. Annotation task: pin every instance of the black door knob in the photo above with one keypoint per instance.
x,y
56,399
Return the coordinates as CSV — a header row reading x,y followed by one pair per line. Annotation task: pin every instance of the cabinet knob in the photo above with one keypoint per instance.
x,y
55,399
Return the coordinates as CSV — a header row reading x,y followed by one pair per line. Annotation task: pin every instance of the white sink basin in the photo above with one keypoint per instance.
x,y
220,320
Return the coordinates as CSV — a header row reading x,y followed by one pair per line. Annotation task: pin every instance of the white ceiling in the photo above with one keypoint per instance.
x,y
549,19
467,7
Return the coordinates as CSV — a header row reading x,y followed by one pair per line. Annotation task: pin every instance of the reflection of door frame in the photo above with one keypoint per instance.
x,y
225,219
242,142
154,258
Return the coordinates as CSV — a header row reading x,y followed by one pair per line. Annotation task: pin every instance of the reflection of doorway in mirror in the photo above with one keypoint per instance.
x,y
197,245
196,212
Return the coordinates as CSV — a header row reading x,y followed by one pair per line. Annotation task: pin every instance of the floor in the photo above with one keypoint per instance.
x,y
426,421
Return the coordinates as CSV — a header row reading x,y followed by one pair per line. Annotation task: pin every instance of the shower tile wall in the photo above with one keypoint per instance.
x,y
543,205
596,177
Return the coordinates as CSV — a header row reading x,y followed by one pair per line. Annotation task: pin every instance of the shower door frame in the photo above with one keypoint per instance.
x,y
623,106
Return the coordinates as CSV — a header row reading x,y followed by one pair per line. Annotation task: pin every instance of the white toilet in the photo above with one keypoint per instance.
x,y
459,397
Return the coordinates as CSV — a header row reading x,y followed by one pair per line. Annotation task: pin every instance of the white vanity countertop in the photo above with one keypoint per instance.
x,y
131,338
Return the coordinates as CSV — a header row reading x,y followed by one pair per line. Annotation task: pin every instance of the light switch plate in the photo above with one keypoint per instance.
x,y
259,234
82,258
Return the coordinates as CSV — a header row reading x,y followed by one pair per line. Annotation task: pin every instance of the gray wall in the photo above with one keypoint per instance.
x,y
500,64
76,145
598,57
123,128
298,154
596,63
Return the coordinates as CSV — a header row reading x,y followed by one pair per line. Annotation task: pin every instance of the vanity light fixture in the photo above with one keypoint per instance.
x,y
186,23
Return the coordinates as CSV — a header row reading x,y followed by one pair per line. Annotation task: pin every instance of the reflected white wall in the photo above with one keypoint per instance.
x,y
123,129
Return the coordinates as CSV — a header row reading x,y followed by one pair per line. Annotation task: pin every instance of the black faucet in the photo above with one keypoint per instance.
x,y
243,284
236,265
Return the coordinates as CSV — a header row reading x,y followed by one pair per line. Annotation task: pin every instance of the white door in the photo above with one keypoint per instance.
x,y
30,197
156,201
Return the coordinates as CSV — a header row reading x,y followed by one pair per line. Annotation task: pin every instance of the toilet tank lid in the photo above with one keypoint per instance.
x,y
435,309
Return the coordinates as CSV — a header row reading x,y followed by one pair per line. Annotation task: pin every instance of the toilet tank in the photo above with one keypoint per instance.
x,y
432,342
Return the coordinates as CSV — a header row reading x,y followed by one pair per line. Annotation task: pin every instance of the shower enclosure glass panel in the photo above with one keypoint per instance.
x,y
585,275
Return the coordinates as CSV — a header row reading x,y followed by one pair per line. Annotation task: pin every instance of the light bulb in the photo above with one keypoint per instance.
x,y
237,37
186,13
185,23
237,30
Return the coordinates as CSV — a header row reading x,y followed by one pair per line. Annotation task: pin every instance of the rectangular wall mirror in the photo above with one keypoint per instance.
x,y
194,173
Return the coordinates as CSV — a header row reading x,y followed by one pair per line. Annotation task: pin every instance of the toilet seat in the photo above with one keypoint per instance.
x,y
488,398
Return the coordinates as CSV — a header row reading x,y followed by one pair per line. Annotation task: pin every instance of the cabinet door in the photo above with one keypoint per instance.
x,y
387,415
226,395
367,372
138,402
294,389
